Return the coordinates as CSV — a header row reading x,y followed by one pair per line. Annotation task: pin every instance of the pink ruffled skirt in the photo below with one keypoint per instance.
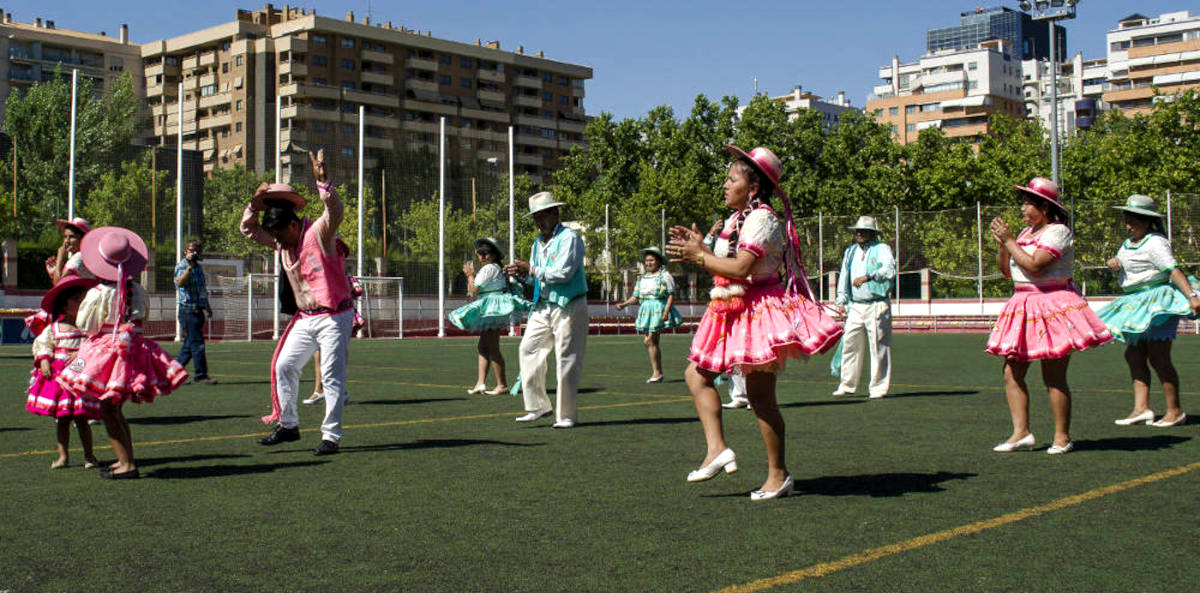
x,y
771,327
121,368
1045,323
48,398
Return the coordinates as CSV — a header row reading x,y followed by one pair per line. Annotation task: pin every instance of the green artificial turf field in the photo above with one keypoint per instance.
x,y
436,490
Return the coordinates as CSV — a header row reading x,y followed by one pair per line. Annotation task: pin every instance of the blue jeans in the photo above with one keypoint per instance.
x,y
191,321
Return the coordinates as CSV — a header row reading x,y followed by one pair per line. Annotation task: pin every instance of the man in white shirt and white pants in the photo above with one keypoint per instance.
x,y
864,283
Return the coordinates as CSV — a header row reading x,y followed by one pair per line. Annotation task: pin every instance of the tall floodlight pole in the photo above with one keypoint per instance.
x,y
278,179
178,194
71,163
442,229
512,248
1053,11
362,116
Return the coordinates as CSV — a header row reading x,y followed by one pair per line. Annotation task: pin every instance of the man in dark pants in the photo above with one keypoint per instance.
x,y
192,299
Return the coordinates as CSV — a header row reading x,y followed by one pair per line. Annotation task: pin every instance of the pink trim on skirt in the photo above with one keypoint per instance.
x,y
1041,324
772,327
48,398
121,367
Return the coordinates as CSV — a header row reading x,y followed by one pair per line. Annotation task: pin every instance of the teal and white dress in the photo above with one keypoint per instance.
x,y
1151,306
652,292
494,307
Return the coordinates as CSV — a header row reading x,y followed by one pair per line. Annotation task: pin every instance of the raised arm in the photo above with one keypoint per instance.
x,y
250,227
327,224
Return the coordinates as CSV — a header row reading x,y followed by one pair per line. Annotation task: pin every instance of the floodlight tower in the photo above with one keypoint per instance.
x,y
1053,11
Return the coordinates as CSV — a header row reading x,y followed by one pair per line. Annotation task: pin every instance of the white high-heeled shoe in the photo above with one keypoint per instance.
x,y
1025,442
724,460
477,389
1146,417
1182,419
784,490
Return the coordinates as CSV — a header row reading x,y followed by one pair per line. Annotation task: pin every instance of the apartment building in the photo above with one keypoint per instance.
x,y
831,111
1080,92
1145,54
955,90
1030,39
323,69
30,53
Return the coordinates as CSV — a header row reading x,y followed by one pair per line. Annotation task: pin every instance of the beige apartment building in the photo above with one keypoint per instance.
x,y
30,53
955,90
323,69
1147,54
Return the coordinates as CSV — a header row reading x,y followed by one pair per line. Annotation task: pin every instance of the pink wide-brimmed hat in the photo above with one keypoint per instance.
x,y
67,283
765,161
278,194
106,248
76,223
1043,188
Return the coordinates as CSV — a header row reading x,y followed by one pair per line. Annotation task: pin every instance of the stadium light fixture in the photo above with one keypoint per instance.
x,y
1053,11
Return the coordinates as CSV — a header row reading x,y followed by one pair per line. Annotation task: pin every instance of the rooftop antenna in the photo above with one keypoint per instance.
x,y
756,85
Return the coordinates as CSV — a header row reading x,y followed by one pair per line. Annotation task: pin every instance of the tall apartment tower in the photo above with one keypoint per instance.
x,y
955,90
323,69
1080,92
1030,39
1145,54
30,53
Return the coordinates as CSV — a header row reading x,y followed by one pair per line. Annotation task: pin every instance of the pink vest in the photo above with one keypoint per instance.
x,y
321,278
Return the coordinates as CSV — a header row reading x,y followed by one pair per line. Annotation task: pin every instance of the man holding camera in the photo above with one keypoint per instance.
x,y
192,299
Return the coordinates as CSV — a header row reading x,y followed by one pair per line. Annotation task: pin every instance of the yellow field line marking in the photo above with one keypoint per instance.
x,y
395,423
851,561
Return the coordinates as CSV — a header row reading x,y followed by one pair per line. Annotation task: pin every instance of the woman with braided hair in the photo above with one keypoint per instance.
x,y
761,313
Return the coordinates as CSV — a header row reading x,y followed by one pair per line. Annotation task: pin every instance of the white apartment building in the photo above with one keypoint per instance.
x,y
1146,53
831,111
955,90
1080,92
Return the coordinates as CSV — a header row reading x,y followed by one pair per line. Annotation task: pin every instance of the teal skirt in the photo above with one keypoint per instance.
x,y
650,317
493,310
1150,314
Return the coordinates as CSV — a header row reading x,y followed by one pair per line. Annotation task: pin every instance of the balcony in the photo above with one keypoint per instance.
x,y
371,98
384,78
577,92
291,43
390,123
491,76
485,115
424,85
154,70
208,58
424,126
415,63
531,140
491,97
190,62
293,68
536,122
430,107
206,144
529,159
306,112
287,135
378,57
529,82
383,143
208,79
565,145
224,98
216,121
527,101
569,125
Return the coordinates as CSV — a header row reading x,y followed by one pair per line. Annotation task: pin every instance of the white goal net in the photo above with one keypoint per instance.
x,y
244,308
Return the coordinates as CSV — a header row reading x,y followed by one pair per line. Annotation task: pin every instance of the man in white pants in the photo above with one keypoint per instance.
x,y
317,293
868,270
559,318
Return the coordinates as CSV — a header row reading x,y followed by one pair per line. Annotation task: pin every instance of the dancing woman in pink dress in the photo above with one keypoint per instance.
x,y
1045,319
762,312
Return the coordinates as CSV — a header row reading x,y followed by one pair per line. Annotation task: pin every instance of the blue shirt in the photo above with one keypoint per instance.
x,y
874,261
194,292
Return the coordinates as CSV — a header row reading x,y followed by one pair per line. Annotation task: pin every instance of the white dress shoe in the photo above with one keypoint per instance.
x,y
784,490
724,460
477,389
564,423
314,398
497,391
1146,417
735,403
531,416
1182,419
657,379
876,396
839,392
1025,442
1056,450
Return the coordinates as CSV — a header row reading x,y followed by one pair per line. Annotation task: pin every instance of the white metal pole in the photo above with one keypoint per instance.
x,y
1054,112
979,251
71,164
400,311
1168,215
362,116
897,260
512,248
278,176
442,229
820,256
662,234
249,307
607,262
179,197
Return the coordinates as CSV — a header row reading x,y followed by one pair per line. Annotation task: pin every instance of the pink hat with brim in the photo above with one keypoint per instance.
x,y
67,283
109,247
1040,187
278,194
76,223
765,161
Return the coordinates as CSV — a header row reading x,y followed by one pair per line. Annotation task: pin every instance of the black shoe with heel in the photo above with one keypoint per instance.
x,y
280,435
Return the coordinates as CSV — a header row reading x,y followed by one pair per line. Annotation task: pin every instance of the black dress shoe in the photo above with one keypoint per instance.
x,y
108,474
280,435
326,447
205,381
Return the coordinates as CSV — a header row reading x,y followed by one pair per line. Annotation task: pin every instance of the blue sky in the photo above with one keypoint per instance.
x,y
646,53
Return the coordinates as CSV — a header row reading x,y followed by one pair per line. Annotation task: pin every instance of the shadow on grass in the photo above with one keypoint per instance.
x,y
637,422
933,393
402,402
550,390
152,461
1149,443
432,444
14,429
826,402
224,382
873,485
172,420
220,471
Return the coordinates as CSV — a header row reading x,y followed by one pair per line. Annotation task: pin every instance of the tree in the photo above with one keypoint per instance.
x,y
122,198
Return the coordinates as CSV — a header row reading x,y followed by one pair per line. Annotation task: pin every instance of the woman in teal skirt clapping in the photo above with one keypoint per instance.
x,y
655,292
494,308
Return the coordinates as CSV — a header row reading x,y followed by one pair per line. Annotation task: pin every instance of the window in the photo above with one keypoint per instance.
x,y
910,109
347,43
208,90
349,130
893,111
445,59
464,83
347,152
320,41
348,85
238,105
237,126
238,60
320,61
910,128
926,108
563,80
466,63
563,100
349,108
349,65
547,77
445,79
320,127
466,123
973,66
320,82
547,97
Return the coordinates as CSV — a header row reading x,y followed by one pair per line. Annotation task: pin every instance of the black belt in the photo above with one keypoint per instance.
x,y
342,306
